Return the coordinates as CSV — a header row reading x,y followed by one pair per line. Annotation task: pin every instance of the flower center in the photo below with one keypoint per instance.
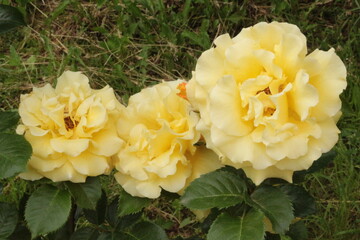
x,y
269,111
69,123
265,90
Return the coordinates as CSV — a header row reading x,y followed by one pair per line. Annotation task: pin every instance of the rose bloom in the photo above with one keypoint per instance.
x,y
158,127
266,106
72,129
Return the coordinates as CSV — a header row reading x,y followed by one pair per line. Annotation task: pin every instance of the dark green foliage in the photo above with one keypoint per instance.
x,y
10,18
86,194
276,206
97,216
8,219
301,200
129,204
246,227
217,189
14,154
47,210
8,119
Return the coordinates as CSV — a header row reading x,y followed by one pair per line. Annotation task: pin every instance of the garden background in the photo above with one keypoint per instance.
x,y
133,44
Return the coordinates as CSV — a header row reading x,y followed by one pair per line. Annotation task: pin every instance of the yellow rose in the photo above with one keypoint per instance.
x,y
72,129
265,105
158,127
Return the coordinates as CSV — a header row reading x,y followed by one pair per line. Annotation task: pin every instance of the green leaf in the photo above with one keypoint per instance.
x,y
276,205
216,189
10,18
85,233
298,231
86,194
248,227
8,219
302,202
127,221
111,215
14,154
47,210
97,216
8,120
129,204
21,232
62,233
145,231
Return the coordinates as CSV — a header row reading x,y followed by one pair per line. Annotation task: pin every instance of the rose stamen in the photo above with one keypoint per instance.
x,y
269,111
265,90
69,123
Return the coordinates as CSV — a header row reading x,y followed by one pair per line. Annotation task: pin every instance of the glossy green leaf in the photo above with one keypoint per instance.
x,y
10,18
145,231
248,227
302,202
8,120
276,205
47,210
14,154
8,219
86,195
129,204
216,189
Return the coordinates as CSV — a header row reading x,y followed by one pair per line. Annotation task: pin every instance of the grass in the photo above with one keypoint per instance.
x,y
132,44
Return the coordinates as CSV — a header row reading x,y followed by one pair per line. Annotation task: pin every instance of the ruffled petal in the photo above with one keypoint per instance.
x,y
71,147
46,165
90,164
259,175
65,173
303,95
105,143
226,111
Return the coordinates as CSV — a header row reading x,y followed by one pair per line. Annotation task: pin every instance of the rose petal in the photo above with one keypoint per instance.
x,y
65,173
90,164
71,147
226,110
303,95
46,165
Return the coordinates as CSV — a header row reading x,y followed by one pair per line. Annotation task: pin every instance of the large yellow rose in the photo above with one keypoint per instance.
x,y
158,127
72,129
265,105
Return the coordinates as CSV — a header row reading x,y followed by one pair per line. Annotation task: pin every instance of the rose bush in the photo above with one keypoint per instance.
x,y
266,106
72,129
158,127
